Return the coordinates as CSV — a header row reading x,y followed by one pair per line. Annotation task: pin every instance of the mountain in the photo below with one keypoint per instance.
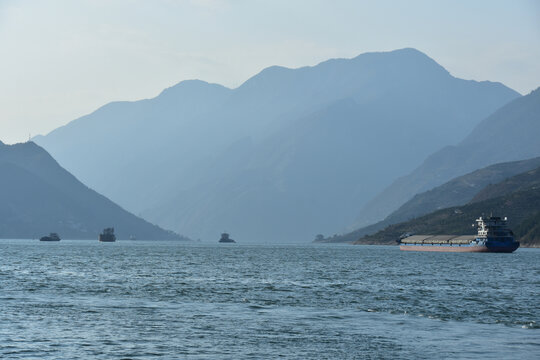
x,y
287,149
529,180
529,231
458,191
37,196
508,134
518,198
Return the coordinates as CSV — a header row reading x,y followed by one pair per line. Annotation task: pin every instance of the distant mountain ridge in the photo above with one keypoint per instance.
x,y
288,154
467,188
37,196
509,134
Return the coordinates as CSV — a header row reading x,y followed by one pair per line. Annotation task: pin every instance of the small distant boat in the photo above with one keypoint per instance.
x,y
50,237
107,235
226,239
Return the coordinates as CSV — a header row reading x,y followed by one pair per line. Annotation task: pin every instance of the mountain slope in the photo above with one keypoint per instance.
x,y
519,201
37,196
288,148
509,134
461,190
525,181
118,137
456,192
529,231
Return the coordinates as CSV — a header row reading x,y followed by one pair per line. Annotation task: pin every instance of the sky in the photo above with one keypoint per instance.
x,y
62,59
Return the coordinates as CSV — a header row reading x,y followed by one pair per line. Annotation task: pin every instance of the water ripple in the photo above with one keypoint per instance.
x,y
138,300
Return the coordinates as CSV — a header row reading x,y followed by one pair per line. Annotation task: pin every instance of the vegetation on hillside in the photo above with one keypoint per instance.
x,y
527,180
492,181
521,207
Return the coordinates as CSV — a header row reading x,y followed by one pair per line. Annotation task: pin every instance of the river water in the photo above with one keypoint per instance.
x,y
140,300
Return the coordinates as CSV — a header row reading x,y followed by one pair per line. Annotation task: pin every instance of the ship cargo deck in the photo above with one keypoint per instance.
x,y
438,239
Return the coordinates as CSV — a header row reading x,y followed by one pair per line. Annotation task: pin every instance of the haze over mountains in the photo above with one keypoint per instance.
x,y
37,196
509,134
288,154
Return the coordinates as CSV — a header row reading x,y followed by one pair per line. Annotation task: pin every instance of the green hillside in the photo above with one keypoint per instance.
x,y
529,231
520,202
525,181
522,209
492,181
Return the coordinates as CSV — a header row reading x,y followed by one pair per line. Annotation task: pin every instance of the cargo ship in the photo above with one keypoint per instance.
x,y
493,236
107,235
50,237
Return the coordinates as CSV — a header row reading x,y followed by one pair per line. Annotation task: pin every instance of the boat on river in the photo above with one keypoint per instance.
x,y
493,235
226,239
107,235
50,237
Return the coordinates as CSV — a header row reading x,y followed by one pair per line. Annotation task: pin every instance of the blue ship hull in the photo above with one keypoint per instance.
x,y
498,246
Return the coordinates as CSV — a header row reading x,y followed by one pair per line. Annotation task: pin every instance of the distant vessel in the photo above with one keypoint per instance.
x,y
226,239
493,236
51,237
107,235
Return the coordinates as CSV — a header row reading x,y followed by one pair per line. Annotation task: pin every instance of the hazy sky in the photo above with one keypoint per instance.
x,y
61,59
